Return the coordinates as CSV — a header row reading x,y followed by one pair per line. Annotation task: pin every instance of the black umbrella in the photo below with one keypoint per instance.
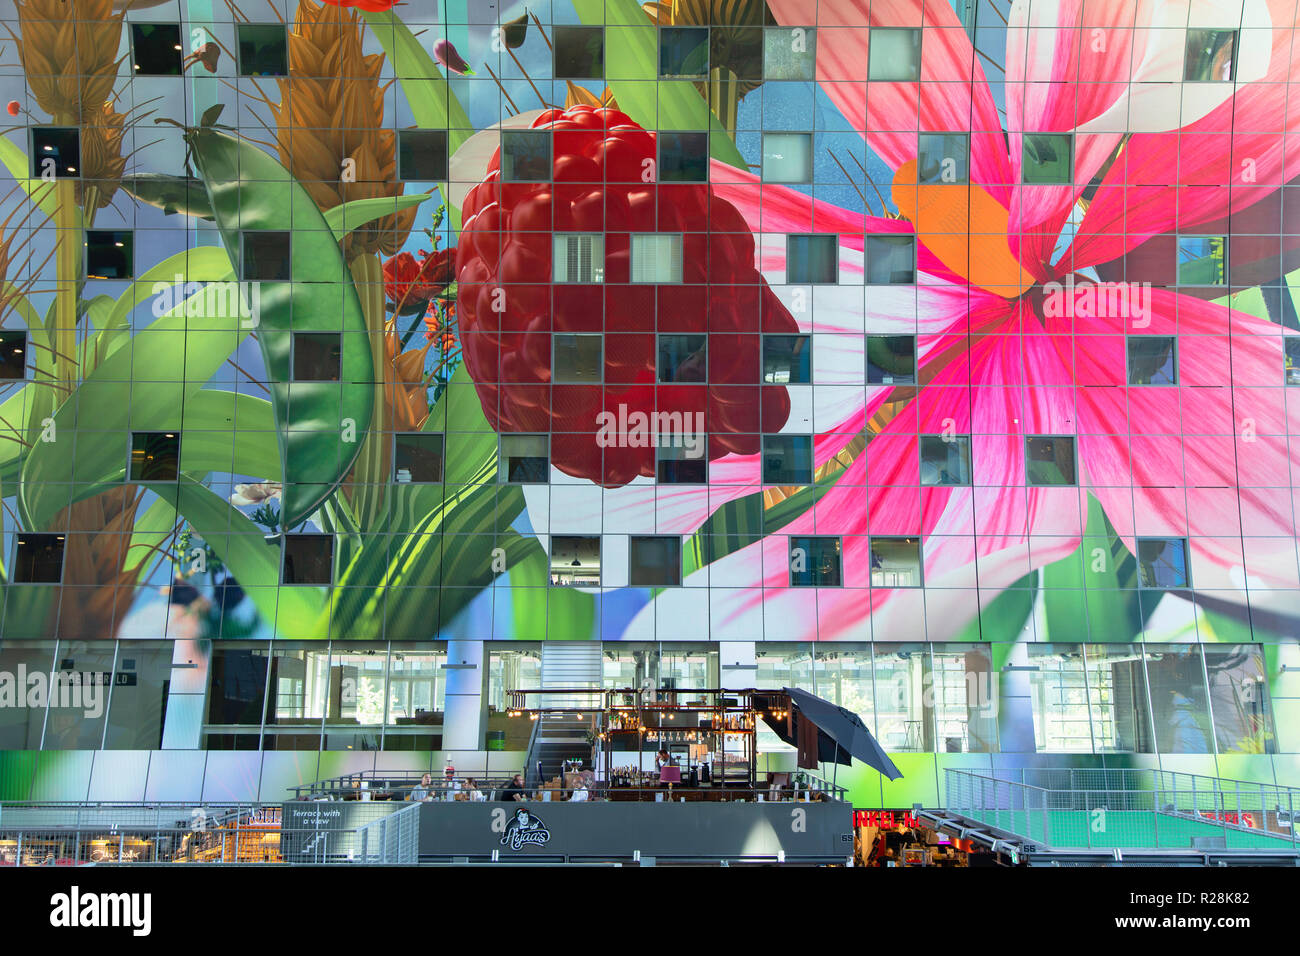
x,y
845,729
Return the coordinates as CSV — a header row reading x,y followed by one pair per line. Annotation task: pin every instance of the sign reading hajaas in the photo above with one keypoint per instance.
x,y
524,829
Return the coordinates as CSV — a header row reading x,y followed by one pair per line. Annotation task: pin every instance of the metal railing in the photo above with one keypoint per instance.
x,y
391,839
1102,809
395,785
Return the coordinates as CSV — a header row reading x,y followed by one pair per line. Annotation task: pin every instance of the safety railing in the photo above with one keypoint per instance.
x,y
391,839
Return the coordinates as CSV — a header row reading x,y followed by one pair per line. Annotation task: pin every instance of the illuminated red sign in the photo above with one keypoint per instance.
x,y
884,818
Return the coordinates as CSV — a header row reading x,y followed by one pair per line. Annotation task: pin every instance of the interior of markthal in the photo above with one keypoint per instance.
x,y
420,418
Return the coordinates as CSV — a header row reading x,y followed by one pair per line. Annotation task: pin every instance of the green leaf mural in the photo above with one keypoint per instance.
x,y
321,424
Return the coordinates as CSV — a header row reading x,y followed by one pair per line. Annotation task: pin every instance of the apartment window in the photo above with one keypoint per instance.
x,y
1202,260
811,259
891,360
1049,460
787,359
896,562
1211,56
579,257
890,260
790,53
155,456
579,52
945,460
38,559
525,156
676,464
657,258
942,158
815,562
787,157
1162,562
787,459
308,559
683,358
1046,158
417,458
1152,360
894,54
263,49
683,157
266,257
109,254
655,561
1292,358
317,356
683,52
56,150
525,459
156,49
13,354
576,358
422,155
575,561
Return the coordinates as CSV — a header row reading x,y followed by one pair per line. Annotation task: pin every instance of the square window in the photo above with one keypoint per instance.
x,y
787,459
683,52
787,157
683,358
894,54
945,460
811,259
683,157
38,559
1047,158
422,155
654,561
942,158
524,459
1202,260
657,258
263,49
1152,360
579,52
790,53
417,458
890,260
576,358
267,257
1211,56
317,356
525,156
677,464
578,257
787,359
1291,342
56,148
156,49
13,354
155,456
308,559
815,562
1049,460
575,561
109,254
1162,563
891,360
896,563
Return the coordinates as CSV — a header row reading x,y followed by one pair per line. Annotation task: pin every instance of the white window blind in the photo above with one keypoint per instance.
x,y
579,257
787,158
657,258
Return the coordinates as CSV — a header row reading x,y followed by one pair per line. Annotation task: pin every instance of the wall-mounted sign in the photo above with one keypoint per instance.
x,y
525,828
885,819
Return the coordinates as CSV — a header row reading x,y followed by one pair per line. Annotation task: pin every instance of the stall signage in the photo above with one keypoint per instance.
x,y
883,818
525,828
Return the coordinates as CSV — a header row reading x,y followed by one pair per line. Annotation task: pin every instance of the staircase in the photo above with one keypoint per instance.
x,y
561,737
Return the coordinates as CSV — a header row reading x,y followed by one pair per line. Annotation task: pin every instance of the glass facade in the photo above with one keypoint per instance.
x,y
851,346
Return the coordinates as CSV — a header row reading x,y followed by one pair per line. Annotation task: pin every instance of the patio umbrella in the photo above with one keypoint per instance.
x,y
845,729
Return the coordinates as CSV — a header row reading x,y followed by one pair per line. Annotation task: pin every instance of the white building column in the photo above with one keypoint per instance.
x,y
464,703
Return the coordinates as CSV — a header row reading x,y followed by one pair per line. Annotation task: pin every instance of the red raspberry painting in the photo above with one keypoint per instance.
x,y
510,307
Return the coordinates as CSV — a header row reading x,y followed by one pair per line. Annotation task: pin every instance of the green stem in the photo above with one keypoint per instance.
x,y
371,473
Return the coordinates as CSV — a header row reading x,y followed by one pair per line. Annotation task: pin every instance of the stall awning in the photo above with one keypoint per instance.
x,y
841,734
